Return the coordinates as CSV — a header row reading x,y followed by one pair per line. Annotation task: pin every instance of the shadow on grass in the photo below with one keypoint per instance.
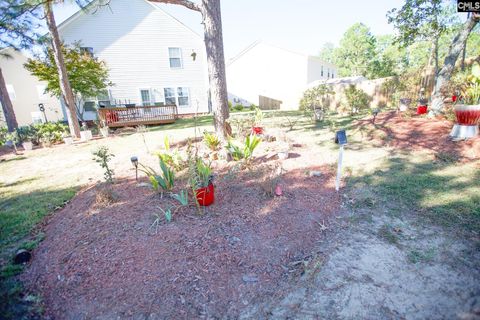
x,y
20,211
17,158
445,192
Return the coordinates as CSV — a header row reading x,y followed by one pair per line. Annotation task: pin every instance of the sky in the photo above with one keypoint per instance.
x,y
298,25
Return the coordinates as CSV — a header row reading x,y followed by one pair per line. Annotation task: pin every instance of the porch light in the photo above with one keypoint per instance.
x,y
193,55
134,161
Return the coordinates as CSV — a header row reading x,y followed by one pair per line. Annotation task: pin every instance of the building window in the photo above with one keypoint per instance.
x,y
183,96
328,73
146,97
333,75
175,55
169,96
321,72
180,98
11,92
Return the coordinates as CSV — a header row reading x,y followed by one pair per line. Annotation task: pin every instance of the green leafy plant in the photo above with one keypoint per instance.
x,y
238,107
356,99
470,92
204,174
258,117
14,138
160,181
237,153
51,132
3,135
29,133
211,140
181,197
314,100
103,157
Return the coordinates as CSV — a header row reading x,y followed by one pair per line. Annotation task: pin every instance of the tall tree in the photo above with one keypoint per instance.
x,y
420,20
458,44
356,51
327,53
17,25
213,37
67,93
88,75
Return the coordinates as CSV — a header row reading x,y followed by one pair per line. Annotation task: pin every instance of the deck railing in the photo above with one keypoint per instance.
x,y
134,116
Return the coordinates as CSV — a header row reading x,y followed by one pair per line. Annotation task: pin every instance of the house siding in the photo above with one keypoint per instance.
x,y
133,37
25,85
280,74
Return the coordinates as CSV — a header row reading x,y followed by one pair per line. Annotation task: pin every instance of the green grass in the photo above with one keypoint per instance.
x,y
446,193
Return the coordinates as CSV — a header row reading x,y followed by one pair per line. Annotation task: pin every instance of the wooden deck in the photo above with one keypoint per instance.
x,y
134,116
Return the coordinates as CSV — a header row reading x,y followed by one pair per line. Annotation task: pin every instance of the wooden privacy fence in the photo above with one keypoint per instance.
x,y
134,116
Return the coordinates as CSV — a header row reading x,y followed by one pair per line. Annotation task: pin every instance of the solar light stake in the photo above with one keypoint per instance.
x,y
134,161
340,139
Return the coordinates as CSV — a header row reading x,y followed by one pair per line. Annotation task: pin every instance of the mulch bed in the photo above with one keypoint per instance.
x,y
109,262
422,133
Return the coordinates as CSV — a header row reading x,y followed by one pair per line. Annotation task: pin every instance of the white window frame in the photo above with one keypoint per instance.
x,y
11,92
179,57
176,96
150,95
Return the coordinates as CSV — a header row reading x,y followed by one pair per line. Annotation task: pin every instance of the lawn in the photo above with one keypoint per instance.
x,y
436,186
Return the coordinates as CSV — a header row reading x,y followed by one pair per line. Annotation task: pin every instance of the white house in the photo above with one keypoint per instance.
x,y
26,92
152,57
273,77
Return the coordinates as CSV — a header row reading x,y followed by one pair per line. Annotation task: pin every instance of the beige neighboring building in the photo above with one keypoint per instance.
x,y
26,92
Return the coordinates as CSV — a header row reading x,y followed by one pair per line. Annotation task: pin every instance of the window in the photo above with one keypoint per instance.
x,y
175,55
11,92
180,98
183,96
169,95
328,74
332,75
146,97
321,72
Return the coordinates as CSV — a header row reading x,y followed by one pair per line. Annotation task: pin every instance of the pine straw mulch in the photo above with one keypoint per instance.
x,y
108,262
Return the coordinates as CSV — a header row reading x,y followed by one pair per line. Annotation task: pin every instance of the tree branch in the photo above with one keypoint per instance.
x,y
186,3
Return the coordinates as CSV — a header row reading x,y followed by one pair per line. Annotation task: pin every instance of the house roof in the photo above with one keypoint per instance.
x,y
90,5
260,42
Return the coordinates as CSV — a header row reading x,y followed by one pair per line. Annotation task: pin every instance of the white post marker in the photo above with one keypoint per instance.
x,y
341,139
339,168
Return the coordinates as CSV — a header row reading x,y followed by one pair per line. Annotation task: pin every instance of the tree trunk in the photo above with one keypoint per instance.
x,y
212,20
7,106
445,73
65,87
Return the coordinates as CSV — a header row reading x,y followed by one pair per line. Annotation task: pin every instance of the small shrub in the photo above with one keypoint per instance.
x,y
211,140
314,100
51,132
238,107
103,156
164,180
29,133
356,99
237,153
230,106
3,135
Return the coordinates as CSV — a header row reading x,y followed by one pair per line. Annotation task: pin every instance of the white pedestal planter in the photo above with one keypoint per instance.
x,y
68,140
27,145
460,131
86,135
